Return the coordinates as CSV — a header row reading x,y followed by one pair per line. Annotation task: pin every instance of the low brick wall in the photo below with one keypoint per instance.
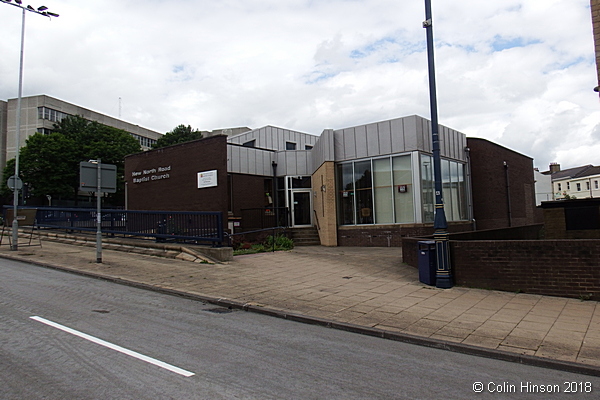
x,y
567,268
389,235
528,232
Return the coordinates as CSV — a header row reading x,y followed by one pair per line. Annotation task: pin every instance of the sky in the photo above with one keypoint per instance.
x,y
520,73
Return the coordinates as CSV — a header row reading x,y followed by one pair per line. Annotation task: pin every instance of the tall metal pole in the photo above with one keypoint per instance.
x,y
15,222
99,214
440,225
42,11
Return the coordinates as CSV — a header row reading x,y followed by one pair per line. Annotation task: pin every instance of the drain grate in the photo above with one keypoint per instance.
x,y
219,310
101,311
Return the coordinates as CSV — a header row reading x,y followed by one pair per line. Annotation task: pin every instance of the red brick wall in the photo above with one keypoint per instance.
x,y
248,191
567,268
178,190
490,195
389,235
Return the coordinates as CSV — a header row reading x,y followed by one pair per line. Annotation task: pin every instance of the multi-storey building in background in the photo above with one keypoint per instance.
x,y
40,113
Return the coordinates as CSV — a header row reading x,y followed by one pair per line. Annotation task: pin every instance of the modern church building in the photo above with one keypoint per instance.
x,y
367,185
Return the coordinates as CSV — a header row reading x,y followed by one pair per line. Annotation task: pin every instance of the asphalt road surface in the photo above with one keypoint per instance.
x,y
64,336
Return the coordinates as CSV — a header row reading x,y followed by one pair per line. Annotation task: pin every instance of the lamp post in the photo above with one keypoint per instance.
x,y
41,11
440,225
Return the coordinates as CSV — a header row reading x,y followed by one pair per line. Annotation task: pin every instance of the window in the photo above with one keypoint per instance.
x,y
346,194
290,146
568,185
403,189
50,114
144,141
587,185
44,131
559,187
251,143
364,192
381,191
579,187
307,147
427,186
595,184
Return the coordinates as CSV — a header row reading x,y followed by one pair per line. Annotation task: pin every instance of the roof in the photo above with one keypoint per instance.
x,y
576,172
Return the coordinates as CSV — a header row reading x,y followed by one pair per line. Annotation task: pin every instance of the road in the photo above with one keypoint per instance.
x,y
64,336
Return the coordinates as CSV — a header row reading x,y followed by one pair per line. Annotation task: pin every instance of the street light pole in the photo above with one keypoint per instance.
x,y
440,225
41,11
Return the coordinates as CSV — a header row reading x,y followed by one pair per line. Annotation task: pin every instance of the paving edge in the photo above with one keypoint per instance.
x,y
566,366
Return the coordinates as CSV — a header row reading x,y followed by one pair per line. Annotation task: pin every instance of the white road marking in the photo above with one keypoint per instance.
x,y
115,347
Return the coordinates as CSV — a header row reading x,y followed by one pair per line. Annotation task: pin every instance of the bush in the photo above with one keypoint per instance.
x,y
281,243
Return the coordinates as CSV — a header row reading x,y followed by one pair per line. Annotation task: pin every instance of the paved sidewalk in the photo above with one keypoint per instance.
x,y
364,287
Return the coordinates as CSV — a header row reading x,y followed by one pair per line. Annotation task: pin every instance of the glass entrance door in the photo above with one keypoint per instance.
x,y
301,208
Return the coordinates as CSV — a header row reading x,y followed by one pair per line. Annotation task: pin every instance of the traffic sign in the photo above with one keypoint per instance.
x,y
14,182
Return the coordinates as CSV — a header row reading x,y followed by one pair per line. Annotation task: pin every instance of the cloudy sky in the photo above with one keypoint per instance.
x,y
518,72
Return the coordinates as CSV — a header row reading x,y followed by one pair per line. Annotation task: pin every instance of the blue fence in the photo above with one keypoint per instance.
x,y
189,226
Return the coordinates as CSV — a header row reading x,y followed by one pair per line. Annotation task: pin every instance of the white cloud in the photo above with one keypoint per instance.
x,y
519,72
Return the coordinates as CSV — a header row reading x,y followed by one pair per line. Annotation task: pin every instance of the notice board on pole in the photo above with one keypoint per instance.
x,y
88,177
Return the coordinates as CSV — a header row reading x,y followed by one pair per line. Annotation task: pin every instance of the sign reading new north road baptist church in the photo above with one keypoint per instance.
x,y
151,174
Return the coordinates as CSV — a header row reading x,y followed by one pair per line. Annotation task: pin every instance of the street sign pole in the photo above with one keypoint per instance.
x,y
99,214
91,175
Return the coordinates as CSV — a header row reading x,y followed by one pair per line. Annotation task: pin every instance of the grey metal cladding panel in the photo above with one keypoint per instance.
x,y
229,159
303,162
235,159
384,139
371,132
397,136
262,139
427,144
360,140
290,163
444,141
349,144
411,134
338,143
260,162
251,156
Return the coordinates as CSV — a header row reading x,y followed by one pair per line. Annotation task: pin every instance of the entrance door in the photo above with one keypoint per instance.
x,y
301,208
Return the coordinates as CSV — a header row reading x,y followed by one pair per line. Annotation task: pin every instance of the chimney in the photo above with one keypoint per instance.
x,y
554,167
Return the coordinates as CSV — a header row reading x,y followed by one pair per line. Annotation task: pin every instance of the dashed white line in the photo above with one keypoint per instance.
x,y
115,347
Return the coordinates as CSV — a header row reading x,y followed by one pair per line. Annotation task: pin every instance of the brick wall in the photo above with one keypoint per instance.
x,y
248,191
492,197
166,179
566,268
389,235
529,232
324,203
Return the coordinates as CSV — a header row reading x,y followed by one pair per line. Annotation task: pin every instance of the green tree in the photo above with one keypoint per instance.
x,y
50,163
180,134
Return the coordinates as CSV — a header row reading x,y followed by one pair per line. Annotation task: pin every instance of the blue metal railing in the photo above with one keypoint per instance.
x,y
162,225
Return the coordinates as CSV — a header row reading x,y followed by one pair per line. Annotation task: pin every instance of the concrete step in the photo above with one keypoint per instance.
x,y
305,236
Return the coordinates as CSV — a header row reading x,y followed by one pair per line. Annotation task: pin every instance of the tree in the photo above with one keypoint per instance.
x,y
180,134
50,163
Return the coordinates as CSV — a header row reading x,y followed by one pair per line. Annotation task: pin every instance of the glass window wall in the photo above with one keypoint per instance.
x,y
381,191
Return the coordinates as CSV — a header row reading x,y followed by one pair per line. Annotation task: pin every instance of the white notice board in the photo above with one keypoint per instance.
x,y
207,179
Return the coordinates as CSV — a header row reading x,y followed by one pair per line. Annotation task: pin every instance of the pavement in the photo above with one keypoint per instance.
x,y
359,289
